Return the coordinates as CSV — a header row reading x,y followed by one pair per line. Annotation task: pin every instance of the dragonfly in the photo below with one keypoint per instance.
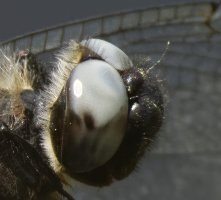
x,y
90,117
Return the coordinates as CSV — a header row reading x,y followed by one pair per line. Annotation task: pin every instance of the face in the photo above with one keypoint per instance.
x,y
106,115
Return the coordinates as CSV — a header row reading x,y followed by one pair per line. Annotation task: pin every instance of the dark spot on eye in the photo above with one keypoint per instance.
x,y
73,122
89,121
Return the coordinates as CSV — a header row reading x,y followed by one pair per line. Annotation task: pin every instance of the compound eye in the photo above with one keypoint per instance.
x,y
109,53
95,117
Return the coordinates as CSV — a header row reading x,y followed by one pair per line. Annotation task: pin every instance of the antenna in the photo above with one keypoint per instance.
x,y
162,56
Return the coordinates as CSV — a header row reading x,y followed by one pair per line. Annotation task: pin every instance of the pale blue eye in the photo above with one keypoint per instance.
x,y
96,95
109,53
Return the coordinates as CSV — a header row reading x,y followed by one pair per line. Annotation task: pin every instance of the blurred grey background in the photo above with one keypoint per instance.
x,y
24,16
186,162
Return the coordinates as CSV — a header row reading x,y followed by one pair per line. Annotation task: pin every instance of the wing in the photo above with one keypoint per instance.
x,y
24,174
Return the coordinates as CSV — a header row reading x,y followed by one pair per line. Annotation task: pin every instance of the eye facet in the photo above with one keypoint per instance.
x,y
96,110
